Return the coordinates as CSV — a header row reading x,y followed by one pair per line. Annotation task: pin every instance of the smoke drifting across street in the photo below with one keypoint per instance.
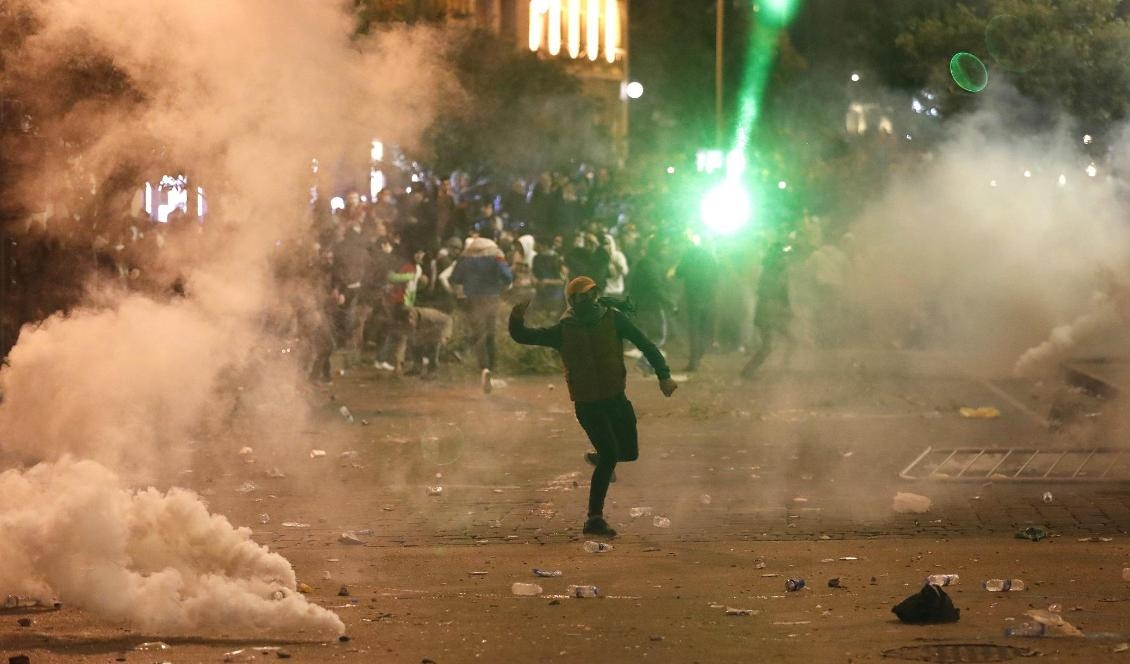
x,y
987,246
105,399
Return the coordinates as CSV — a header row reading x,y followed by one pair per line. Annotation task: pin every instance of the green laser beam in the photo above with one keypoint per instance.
x,y
727,207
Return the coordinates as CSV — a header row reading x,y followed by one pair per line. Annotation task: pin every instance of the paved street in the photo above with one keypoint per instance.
x,y
782,477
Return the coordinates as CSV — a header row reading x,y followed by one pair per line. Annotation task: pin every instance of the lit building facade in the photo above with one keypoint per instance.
x,y
591,36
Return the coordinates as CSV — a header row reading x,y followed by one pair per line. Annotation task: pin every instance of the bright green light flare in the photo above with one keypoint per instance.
x,y
726,208
779,12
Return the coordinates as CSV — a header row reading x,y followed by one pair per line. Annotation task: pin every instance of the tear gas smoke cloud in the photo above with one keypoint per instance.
x,y
967,252
240,95
158,560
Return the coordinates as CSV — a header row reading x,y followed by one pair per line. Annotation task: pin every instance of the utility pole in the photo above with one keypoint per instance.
x,y
719,26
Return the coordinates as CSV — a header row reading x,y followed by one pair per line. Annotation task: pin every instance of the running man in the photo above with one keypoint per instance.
x,y
590,337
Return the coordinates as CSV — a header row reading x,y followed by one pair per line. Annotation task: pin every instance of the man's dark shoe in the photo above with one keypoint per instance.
x,y
592,458
596,525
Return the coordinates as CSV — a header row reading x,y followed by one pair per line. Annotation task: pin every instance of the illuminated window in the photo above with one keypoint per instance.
x,y
611,29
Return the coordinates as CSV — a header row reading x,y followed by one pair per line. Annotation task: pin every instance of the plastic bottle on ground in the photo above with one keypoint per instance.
x,y
1126,573
597,547
661,522
583,591
525,589
637,512
1026,629
943,579
1003,585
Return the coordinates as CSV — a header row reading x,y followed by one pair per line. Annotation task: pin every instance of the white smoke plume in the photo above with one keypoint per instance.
x,y
242,95
157,560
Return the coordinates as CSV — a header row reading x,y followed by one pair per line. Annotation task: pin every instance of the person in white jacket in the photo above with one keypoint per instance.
x,y
617,267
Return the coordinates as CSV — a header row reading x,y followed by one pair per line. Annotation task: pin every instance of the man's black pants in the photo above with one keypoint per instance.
x,y
611,426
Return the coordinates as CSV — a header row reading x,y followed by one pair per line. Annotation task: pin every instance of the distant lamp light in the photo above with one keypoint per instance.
x,y
1088,139
782,184
670,170
1062,179
855,77
909,137
992,183
337,203
634,90
376,151
1092,171
1027,173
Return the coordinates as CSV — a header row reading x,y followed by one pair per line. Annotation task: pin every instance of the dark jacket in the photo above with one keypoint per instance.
x,y
591,350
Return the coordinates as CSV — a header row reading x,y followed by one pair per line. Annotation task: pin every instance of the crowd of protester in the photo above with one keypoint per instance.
x,y
417,277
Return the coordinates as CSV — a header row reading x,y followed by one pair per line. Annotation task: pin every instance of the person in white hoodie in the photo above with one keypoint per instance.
x,y
617,267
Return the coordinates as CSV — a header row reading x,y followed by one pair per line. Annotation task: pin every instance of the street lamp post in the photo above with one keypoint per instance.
x,y
719,24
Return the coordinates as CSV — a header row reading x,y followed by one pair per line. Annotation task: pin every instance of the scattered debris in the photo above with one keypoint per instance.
x,y
246,451
24,622
1004,585
1054,624
247,487
730,611
478,573
350,538
637,512
264,518
317,454
704,499
581,592
546,573
1034,533
597,547
1121,647
294,524
943,579
661,522
981,413
275,473
152,645
911,503
1095,538
834,582
346,414
1048,497
343,592
434,490
794,584
525,589
304,588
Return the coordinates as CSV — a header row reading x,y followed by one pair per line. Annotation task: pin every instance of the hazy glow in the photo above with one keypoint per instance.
x,y
537,22
634,90
854,77
611,29
726,208
592,30
574,28
554,40
376,151
1091,170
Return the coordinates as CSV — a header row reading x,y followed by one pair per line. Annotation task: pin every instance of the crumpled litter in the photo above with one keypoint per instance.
x,y
981,413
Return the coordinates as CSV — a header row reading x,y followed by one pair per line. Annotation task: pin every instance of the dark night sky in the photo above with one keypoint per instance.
x,y
672,54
